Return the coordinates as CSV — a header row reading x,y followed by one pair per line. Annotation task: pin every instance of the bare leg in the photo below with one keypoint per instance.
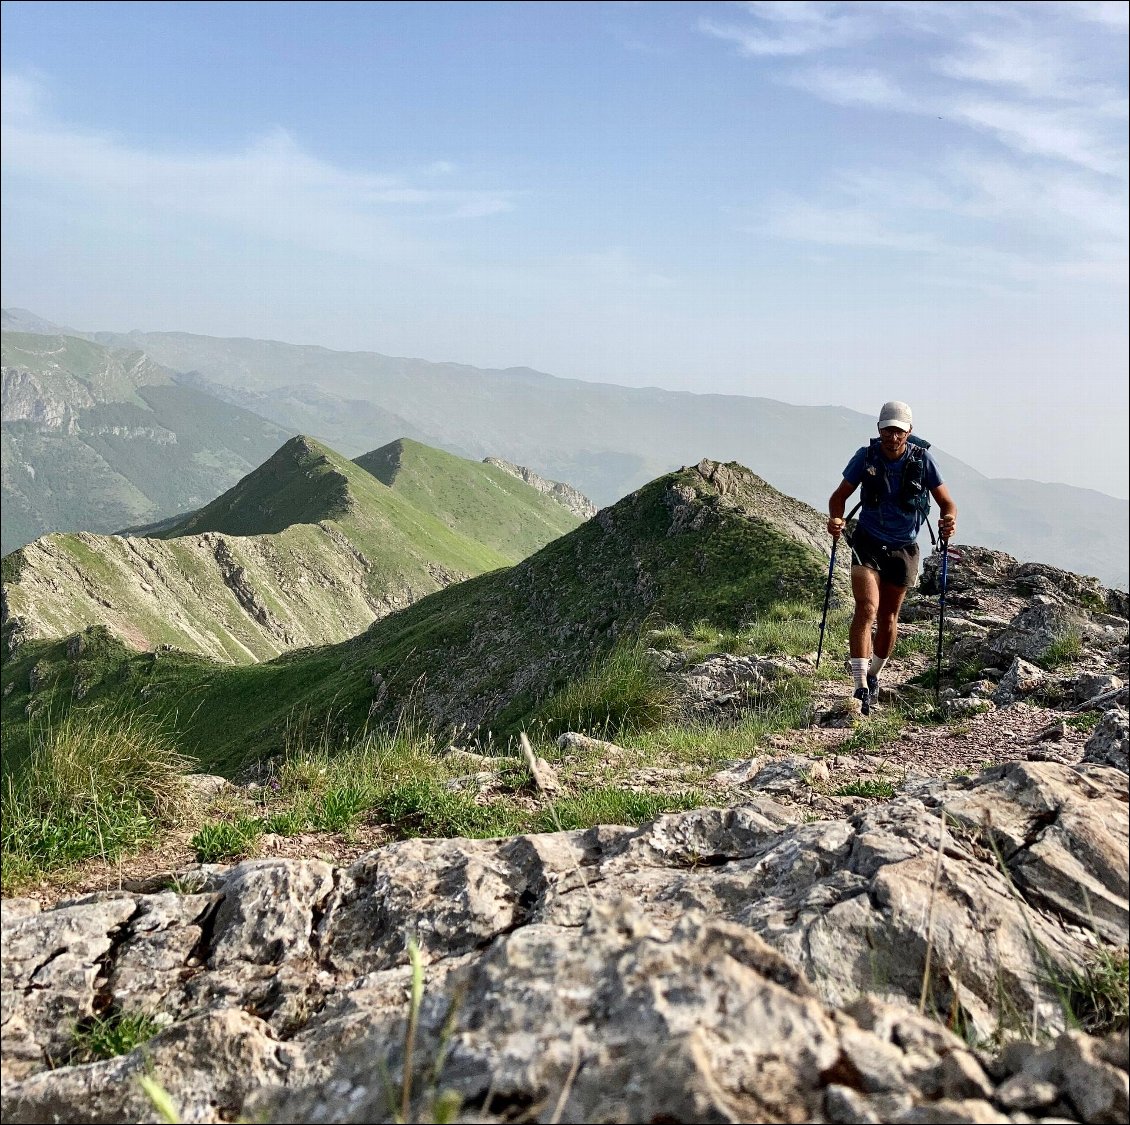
x,y
890,602
865,588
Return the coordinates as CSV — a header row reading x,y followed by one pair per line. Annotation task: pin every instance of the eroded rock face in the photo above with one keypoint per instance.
x,y
565,494
715,965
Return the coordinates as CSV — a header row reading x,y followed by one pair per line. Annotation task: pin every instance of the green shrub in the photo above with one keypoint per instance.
x,y
107,1036
94,784
1086,721
226,839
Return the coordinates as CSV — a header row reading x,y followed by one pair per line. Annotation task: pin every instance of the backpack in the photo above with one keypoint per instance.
x,y
913,494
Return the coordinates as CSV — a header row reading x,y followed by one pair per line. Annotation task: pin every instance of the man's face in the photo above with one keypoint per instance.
x,y
893,441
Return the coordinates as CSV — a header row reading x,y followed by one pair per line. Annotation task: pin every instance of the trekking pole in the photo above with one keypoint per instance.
x,y
943,575
827,599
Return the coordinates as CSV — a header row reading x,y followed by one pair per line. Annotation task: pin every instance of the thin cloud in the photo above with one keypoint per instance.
x,y
1068,135
852,88
791,29
996,71
272,188
1038,188
1034,67
1112,13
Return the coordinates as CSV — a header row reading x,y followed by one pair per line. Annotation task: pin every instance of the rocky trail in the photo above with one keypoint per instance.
x,y
899,920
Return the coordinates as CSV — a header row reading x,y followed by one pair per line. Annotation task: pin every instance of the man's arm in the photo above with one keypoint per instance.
x,y
947,519
837,502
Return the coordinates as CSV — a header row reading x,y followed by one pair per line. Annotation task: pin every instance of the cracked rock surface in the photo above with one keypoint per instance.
x,y
716,965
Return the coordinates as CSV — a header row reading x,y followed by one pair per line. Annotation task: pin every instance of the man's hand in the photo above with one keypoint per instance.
x,y
835,526
947,525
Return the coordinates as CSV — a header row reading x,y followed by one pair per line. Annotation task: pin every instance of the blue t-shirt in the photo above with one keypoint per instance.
x,y
889,522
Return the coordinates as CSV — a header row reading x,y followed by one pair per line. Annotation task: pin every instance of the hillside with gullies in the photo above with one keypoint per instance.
x,y
97,437
308,549
704,889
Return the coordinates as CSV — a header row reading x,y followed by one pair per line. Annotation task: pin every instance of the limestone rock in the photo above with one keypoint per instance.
x,y
1109,741
1032,631
714,965
584,744
1022,679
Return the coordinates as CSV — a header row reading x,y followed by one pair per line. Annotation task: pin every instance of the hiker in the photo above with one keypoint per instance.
x,y
899,476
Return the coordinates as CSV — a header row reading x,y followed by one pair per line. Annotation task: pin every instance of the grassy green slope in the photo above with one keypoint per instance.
x,y
308,549
712,544
305,482
480,501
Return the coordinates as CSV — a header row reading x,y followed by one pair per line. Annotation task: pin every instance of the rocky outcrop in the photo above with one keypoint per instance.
x,y
565,494
1037,633
715,965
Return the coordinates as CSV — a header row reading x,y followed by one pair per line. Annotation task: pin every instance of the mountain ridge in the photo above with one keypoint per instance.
x,y
607,440
307,549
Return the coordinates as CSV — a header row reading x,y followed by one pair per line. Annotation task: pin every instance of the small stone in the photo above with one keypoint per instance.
x,y
1022,1091
583,744
962,1077
846,1106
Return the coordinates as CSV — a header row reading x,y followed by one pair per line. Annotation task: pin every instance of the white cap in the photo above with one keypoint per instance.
x,y
895,414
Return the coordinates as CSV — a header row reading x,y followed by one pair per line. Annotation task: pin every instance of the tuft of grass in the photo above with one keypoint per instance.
x,y
288,821
95,783
624,691
786,628
107,1036
425,807
1066,648
1099,992
785,705
1085,721
874,733
341,807
226,839
870,787
920,640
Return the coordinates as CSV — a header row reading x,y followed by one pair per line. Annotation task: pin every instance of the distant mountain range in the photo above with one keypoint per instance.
x,y
96,438
309,548
608,440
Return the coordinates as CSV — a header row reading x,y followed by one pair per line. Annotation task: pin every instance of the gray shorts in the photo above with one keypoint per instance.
x,y
896,564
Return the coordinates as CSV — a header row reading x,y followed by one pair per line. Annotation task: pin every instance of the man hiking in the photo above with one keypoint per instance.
x,y
898,476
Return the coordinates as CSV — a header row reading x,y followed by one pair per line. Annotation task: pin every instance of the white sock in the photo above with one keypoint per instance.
x,y
859,671
877,663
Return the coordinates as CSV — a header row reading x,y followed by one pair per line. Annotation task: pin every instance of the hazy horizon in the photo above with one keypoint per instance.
x,y
823,204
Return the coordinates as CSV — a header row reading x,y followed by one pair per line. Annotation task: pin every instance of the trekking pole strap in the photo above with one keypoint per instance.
x,y
856,561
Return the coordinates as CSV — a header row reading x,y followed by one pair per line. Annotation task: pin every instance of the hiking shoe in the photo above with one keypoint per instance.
x,y
873,689
864,697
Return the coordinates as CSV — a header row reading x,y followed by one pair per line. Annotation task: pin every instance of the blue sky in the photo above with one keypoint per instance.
x,y
820,203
